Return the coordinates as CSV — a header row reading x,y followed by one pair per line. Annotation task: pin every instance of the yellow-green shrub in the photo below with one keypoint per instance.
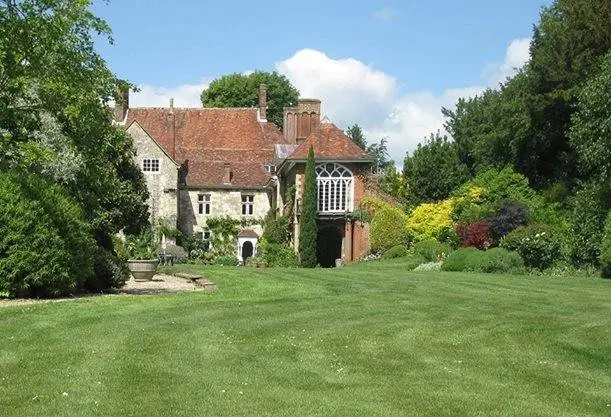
x,y
432,220
388,225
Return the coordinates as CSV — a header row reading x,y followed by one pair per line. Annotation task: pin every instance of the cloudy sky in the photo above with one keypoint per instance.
x,y
388,65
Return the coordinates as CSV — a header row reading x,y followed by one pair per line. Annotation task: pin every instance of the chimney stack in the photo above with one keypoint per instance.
x,y
171,126
227,173
121,103
263,102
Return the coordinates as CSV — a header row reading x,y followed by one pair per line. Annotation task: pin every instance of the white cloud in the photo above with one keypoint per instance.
x,y
386,14
354,92
350,90
186,95
518,54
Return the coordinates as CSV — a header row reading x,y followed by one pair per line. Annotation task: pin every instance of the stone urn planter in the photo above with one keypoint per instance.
x,y
142,269
140,251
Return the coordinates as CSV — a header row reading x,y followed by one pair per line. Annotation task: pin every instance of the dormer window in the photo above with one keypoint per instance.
x,y
271,169
150,165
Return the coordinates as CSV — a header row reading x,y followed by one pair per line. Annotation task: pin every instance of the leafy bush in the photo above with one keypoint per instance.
x,y
46,249
398,251
432,220
508,217
109,272
495,260
482,196
142,246
388,225
475,235
588,218
540,246
431,250
275,255
277,230
605,252
226,261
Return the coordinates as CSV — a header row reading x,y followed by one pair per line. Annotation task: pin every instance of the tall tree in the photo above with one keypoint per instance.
x,y
355,133
433,170
307,221
241,90
379,153
54,114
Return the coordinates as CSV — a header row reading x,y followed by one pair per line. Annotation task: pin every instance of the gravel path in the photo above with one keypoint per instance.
x,y
160,284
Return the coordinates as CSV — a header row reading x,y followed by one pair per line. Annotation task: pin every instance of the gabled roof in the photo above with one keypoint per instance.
x,y
330,143
210,137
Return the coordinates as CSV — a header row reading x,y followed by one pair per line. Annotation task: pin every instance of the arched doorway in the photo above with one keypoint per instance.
x,y
328,246
247,250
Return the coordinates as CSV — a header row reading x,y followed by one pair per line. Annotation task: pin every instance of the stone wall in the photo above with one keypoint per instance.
x,y
222,203
163,201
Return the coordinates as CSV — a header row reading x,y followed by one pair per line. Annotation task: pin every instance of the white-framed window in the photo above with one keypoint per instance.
x,y
335,188
270,169
248,204
150,165
203,203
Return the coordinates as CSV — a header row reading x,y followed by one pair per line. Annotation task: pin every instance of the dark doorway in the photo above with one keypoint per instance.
x,y
328,246
247,250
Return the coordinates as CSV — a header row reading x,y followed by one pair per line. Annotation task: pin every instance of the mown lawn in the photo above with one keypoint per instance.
x,y
366,340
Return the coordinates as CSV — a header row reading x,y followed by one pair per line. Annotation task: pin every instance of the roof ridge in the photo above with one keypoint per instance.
x,y
193,108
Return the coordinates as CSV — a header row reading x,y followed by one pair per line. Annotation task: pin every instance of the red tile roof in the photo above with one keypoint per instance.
x,y
330,143
209,138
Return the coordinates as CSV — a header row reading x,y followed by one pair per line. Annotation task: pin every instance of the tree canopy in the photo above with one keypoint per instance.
x,y
242,90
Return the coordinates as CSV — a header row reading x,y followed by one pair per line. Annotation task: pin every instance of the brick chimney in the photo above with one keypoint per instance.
x,y
227,173
121,104
263,102
301,120
171,127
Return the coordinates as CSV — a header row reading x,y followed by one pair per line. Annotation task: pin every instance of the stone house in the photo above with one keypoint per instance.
x,y
203,162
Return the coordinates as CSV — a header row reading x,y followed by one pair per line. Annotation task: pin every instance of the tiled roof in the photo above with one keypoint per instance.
x,y
209,138
329,142
248,233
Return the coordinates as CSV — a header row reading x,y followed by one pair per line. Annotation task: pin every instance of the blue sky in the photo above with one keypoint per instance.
x,y
388,65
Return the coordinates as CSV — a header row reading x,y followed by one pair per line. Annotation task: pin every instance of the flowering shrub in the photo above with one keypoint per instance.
x,y
538,245
432,220
388,225
429,266
475,235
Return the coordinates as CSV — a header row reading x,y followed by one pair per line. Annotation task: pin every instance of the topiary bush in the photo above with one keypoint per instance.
x,y
388,226
495,260
431,250
46,249
605,252
398,251
110,272
540,246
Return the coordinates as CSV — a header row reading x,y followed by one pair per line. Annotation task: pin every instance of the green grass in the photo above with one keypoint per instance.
x,y
367,340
